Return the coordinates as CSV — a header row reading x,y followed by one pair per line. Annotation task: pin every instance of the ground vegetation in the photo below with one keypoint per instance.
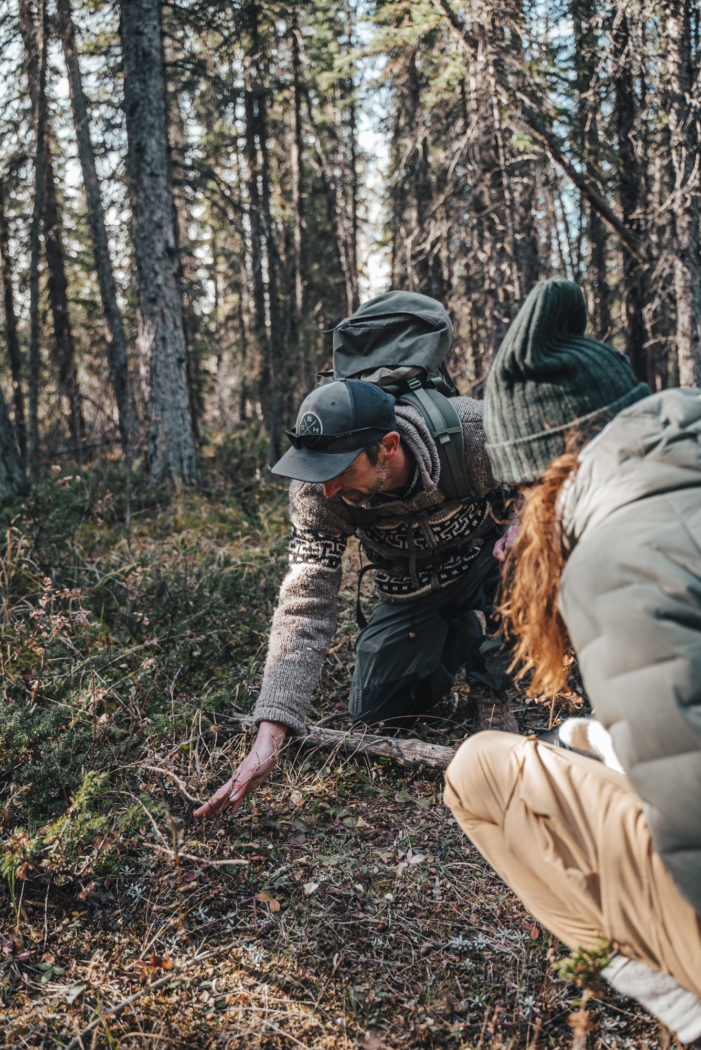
x,y
341,908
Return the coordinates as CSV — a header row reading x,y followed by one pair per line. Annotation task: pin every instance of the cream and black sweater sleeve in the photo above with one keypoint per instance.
x,y
307,610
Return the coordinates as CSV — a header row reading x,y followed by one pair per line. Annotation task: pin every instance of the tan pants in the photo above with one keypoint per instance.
x,y
570,838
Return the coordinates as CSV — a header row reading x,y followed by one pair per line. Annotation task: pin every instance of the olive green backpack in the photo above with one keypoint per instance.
x,y
400,341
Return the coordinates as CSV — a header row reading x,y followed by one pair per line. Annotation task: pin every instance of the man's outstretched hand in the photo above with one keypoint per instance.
x,y
253,771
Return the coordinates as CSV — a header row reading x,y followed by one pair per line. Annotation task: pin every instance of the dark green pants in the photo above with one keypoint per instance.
x,y
411,652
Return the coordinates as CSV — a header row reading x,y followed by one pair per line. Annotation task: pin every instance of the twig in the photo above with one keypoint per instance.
x,y
180,784
200,860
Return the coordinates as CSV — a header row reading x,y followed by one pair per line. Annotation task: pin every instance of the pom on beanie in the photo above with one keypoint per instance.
x,y
547,378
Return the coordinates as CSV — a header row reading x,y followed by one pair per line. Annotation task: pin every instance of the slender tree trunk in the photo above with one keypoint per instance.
x,y
183,222
37,74
684,135
259,173
114,330
588,109
13,348
351,139
299,233
426,272
629,181
13,481
171,449
64,349
334,209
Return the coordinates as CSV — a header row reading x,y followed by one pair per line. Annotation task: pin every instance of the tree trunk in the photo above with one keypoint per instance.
x,y
299,234
13,348
684,135
263,238
13,481
183,222
114,330
38,76
171,449
64,348
629,180
587,90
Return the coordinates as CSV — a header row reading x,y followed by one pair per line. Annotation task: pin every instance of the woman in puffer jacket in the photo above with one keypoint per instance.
x,y
607,565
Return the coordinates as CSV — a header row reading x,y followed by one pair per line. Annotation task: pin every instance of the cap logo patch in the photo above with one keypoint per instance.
x,y
310,425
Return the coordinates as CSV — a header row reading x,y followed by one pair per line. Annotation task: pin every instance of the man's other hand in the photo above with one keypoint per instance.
x,y
253,771
505,542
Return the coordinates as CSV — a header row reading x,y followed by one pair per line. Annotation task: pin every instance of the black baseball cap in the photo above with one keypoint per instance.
x,y
334,424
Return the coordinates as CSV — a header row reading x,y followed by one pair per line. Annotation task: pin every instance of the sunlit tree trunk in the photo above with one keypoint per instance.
x,y
114,330
183,225
171,449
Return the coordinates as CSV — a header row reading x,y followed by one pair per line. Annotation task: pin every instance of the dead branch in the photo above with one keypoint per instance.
x,y
412,753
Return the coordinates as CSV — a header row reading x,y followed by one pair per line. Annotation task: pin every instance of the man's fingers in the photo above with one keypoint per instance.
x,y
239,790
215,803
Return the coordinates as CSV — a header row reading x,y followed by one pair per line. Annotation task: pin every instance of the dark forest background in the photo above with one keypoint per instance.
x,y
192,194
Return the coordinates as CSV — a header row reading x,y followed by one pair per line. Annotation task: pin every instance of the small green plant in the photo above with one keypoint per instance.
x,y
584,965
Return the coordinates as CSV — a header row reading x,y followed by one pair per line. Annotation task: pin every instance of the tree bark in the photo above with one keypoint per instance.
x,y
13,481
629,182
13,347
37,74
265,291
183,222
114,330
171,449
684,142
64,348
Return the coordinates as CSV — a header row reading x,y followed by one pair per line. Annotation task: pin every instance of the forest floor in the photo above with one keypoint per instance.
x,y
341,908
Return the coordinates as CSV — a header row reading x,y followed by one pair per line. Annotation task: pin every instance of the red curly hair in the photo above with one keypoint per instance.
x,y
531,584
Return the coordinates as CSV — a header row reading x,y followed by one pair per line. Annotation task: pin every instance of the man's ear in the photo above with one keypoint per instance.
x,y
390,443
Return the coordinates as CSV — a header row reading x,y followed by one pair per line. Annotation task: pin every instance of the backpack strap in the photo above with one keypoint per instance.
x,y
443,423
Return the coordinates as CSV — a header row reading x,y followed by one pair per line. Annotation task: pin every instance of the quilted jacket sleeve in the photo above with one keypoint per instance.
x,y
631,598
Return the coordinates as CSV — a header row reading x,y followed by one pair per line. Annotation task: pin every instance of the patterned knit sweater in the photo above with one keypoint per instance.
x,y
421,525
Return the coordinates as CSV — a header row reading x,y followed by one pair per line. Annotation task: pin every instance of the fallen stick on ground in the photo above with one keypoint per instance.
x,y
412,753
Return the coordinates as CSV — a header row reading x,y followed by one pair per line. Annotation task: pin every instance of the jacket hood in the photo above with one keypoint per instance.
x,y
415,433
648,449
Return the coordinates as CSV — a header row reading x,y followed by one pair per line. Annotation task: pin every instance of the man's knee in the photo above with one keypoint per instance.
x,y
479,780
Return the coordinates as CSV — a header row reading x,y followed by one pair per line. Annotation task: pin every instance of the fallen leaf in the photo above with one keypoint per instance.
x,y
73,992
267,898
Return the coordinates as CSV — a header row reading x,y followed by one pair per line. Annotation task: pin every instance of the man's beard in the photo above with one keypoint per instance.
x,y
365,499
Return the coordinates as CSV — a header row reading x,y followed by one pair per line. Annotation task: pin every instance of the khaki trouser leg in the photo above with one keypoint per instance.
x,y
570,838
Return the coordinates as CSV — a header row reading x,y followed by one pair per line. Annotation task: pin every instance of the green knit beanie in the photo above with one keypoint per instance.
x,y
547,377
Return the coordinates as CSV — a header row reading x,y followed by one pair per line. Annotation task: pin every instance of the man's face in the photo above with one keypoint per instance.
x,y
359,482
